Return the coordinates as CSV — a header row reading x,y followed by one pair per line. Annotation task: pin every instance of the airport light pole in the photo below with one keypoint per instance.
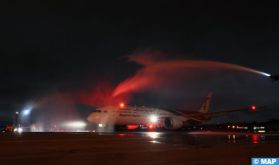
x,y
16,119
26,116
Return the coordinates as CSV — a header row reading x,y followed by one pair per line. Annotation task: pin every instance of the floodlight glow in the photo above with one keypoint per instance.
x,y
153,118
75,124
18,130
100,125
26,112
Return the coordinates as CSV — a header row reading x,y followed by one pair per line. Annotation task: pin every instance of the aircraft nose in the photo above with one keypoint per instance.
x,y
93,117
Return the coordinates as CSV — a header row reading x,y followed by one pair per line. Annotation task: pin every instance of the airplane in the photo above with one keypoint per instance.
x,y
133,117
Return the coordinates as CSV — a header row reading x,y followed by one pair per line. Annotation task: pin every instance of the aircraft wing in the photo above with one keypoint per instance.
x,y
205,116
220,113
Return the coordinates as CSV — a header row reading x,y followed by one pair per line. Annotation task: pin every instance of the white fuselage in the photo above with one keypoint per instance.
x,y
133,115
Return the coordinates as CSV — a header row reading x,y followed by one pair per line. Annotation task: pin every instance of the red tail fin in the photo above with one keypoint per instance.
x,y
205,105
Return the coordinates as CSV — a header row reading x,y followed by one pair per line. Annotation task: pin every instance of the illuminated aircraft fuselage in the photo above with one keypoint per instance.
x,y
155,117
150,117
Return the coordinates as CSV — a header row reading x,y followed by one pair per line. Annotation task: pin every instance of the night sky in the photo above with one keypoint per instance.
x,y
69,49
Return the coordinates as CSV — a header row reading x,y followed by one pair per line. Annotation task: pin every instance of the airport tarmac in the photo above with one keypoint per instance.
x,y
198,148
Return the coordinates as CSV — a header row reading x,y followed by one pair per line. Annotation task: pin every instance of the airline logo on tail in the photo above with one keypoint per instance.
x,y
205,106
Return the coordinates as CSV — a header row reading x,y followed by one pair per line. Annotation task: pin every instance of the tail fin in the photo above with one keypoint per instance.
x,y
205,105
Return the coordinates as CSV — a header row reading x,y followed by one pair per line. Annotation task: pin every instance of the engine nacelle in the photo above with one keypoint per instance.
x,y
172,123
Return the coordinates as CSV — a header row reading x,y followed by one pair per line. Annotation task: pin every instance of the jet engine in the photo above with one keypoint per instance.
x,y
172,123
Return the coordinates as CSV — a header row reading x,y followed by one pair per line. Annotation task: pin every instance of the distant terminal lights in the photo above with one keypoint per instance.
x,y
259,129
238,127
